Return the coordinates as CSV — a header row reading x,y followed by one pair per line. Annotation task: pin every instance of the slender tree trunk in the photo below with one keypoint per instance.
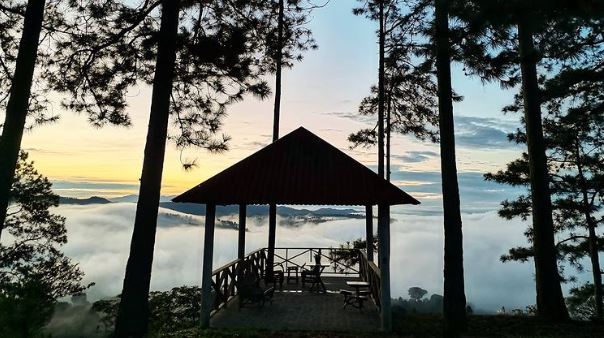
x,y
388,134
384,264
592,237
18,101
454,302
272,228
381,93
133,314
550,302
595,263
383,210
278,66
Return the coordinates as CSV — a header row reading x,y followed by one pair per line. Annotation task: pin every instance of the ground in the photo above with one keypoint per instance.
x,y
299,309
297,312
415,326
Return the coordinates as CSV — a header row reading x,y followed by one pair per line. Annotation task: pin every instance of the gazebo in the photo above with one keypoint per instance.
x,y
298,169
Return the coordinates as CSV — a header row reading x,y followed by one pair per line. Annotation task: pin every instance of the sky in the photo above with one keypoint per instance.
x,y
322,94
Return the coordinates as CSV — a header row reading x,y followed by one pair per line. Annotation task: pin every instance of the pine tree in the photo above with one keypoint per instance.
x,y
410,87
575,152
34,272
511,42
416,52
291,38
29,34
18,100
454,301
573,133
203,64
133,314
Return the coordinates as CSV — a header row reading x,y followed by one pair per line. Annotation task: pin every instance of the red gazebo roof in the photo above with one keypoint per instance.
x,y
299,168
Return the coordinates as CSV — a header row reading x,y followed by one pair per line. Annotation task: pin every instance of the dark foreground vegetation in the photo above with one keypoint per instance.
x,y
431,326
176,313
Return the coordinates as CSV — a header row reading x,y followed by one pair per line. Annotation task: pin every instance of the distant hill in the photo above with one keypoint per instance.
x,y
125,199
134,199
261,210
200,209
83,201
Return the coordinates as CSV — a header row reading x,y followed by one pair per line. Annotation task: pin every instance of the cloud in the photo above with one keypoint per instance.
x,y
64,184
76,187
99,239
254,143
472,132
370,120
44,151
414,156
483,132
476,194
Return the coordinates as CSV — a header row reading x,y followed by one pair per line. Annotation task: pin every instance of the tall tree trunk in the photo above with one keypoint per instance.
x,y
272,226
454,302
383,210
550,303
133,314
381,92
388,134
278,66
18,101
595,265
592,236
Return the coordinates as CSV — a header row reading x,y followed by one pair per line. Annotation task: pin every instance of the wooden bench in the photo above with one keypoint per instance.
x,y
353,299
250,292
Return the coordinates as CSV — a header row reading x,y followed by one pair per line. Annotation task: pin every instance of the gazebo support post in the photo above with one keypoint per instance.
x,y
272,229
206,278
384,265
369,231
241,243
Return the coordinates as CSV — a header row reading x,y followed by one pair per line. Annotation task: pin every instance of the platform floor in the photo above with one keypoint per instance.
x,y
297,308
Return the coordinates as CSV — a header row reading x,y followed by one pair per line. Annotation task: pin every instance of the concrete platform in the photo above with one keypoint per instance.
x,y
297,308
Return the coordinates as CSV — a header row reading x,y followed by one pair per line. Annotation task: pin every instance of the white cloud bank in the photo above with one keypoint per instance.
x,y
99,239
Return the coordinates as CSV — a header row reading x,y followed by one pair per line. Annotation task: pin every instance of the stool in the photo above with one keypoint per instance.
x,y
278,278
293,269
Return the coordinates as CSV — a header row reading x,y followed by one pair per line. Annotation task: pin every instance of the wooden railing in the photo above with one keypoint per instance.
x,y
342,262
370,272
224,279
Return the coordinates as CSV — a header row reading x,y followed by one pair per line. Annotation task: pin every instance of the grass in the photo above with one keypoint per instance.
x,y
413,326
499,326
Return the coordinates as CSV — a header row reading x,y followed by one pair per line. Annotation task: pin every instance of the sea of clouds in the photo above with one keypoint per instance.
x,y
99,239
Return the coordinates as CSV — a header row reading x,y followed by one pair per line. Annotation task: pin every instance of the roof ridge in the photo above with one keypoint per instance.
x,y
298,168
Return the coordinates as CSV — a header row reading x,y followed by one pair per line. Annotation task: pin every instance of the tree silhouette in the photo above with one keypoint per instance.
x,y
133,315
201,58
30,63
284,43
377,11
506,41
581,302
410,89
18,98
37,235
416,52
573,135
416,293
34,272
283,27
454,302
